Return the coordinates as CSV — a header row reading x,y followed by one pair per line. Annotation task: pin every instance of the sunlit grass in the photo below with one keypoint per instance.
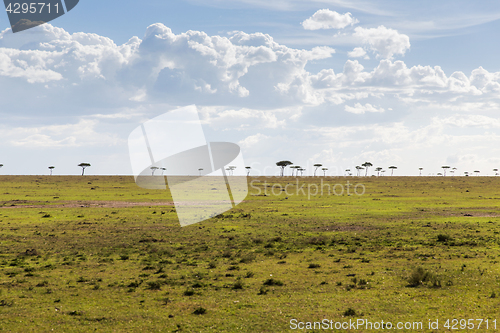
x,y
70,264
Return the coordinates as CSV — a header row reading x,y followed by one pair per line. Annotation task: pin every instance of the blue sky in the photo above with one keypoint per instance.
x,y
412,84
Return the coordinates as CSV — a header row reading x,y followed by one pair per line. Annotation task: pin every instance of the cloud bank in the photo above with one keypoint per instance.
x,y
250,88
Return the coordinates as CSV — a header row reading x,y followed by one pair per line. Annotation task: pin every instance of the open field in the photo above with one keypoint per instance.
x,y
84,254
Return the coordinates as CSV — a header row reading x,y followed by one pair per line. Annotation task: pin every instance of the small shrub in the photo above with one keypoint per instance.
x,y
189,292
262,291
247,258
134,284
237,285
43,284
272,282
75,313
249,275
444,238
314,266
212,265
199,311
349,312
154,285
420,276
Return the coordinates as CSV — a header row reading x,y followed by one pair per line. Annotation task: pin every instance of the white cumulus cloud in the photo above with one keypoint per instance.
x,y
328,19
383,41
358,52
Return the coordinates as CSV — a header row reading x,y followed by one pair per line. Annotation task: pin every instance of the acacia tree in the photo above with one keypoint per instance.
x,y
378,169
366,165
444,167
248,170
51,168
301,171
466,173
295,168
477,172
495,171
231,169
84,166
153,169
453,171
163,170
283,165
347,171
316,166
324,171
420,174
200,170
358,169
1,165
392,167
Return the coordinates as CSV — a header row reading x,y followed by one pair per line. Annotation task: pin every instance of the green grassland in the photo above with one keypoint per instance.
x,y
85,254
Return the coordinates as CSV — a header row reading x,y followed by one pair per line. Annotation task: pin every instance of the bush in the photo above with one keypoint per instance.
x,y
154,285
420,276
444,238
273,282
349,312
314,266
189,292
199,311
249,275
134,284
262,291
238,285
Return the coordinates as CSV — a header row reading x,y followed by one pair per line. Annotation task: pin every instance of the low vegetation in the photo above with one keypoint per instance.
x,y
85,254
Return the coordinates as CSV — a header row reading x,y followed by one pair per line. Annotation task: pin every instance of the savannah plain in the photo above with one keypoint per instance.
x,y
98,253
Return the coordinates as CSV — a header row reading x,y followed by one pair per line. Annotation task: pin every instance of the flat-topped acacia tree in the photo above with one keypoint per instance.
x,y
51,168
283,165
392,167
84,166
316,166
366,165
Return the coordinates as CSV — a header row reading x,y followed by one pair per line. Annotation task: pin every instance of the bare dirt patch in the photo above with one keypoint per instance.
x,y
81,204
